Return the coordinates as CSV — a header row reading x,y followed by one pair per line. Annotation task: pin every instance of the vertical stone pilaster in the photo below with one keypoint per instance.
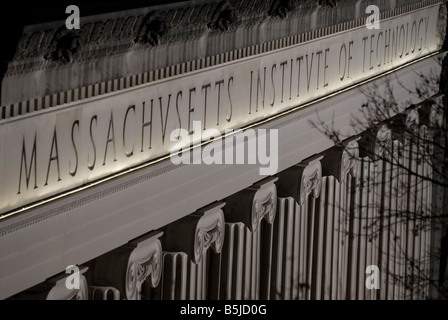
x,y
247,254
189,266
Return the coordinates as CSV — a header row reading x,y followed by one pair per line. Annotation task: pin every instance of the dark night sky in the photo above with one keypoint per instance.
x,y
41,11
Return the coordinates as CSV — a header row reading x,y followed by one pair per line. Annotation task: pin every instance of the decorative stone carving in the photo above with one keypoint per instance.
x,y
383,142
328,3
253,204
129,266
376,143
341,160
175,22
311,181
61,292
152,28
436,115
412,119
55,288
64,45
197,232
301,180
442,26
281,8
350,158
223,16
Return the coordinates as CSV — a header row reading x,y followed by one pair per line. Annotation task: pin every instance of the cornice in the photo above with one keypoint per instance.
x,y
168,41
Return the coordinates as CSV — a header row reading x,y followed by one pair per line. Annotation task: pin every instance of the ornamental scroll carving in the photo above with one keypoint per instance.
x,y
129,266
311,182
301,180
59,290
383,142
376,142
55,288
251,205
350,160
339,161
196,233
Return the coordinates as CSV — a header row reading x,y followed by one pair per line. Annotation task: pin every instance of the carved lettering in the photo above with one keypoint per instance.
x,y
28,166
146,124
130,153
92,166
73,173
54,156
110,138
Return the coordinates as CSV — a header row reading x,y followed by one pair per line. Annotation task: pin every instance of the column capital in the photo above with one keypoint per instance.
x,y
59,290
253,204
412,119
197,232
129,266
301,180
436,115
338,161
375,141
59,287
383,141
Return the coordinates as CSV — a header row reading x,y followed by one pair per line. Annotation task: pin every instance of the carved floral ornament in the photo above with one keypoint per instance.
x,y
155,26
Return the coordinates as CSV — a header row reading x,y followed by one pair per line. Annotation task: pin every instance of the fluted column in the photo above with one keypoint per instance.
x,y
436,192
247,252
340,166
298,188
